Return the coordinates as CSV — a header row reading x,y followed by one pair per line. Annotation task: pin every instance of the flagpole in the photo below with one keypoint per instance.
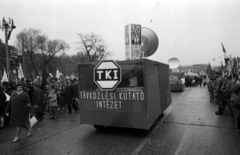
x,y
8,28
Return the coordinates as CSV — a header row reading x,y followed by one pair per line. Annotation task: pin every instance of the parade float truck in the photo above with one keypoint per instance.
x,y
130,93
177,81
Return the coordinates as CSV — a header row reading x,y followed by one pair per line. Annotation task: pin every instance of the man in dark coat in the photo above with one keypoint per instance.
x,y
69,99
75,92
219,96
37,100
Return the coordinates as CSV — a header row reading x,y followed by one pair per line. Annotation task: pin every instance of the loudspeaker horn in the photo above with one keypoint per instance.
x,y
149,41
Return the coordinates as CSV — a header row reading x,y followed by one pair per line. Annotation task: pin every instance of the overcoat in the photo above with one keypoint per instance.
x,y
62,97
68,94
37,99
217,84
2,103
20,108
75,91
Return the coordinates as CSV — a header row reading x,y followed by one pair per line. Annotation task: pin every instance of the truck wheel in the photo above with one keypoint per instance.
x,y
99,127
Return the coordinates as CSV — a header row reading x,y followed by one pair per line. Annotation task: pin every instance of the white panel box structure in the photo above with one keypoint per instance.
x,y
133,47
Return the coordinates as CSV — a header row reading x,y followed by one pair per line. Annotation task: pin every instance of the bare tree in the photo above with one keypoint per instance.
x,y
28,41
93,46
49,49
34,43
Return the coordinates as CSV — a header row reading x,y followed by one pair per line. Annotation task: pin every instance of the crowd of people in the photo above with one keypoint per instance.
x,y
225,92
193,79
27,99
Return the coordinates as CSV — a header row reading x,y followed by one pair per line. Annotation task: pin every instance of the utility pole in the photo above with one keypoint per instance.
x,y
24,61
8,28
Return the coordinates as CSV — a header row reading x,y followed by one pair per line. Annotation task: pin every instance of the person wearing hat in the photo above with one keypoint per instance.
x,y
226,89
20,107
219,97
69,98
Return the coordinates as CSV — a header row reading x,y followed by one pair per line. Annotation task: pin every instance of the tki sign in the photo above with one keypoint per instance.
x,y
107,75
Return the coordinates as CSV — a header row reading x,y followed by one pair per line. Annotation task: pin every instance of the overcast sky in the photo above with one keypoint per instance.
x,y
190,30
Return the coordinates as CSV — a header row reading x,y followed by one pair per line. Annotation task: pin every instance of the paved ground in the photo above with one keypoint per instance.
x,y
189,126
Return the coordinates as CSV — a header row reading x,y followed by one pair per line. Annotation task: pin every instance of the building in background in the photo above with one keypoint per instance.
x,y
196,68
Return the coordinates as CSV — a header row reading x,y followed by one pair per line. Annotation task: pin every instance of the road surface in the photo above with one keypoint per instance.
x,y
188,126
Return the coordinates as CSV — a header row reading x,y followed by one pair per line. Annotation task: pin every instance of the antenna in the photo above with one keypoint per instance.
x,y
174,63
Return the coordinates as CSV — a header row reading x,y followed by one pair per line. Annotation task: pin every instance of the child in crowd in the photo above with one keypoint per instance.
x,y
53,103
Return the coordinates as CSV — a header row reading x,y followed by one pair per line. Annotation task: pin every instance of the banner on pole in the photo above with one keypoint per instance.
x,y
4,78
20,72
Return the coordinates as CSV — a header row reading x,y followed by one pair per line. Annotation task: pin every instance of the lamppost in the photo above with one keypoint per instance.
x,y
8,28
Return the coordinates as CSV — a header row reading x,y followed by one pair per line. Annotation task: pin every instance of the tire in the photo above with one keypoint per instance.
x,y
99,127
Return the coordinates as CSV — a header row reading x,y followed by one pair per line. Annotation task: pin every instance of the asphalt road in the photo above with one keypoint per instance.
x,y
188,126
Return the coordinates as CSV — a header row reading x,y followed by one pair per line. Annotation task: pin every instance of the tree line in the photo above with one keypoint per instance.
x,y
40,55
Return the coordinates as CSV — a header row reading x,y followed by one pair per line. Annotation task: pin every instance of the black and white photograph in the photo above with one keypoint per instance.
x,y
120,77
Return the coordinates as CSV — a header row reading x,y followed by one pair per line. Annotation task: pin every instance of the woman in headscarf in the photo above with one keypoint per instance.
x,y
20,107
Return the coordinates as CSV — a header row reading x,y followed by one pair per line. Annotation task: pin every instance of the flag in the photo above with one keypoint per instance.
x,y
20,72
209,72
229,66
226,58
4,78
234,67
58,74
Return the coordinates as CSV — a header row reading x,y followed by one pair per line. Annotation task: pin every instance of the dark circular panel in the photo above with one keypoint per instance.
x,y
149,41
